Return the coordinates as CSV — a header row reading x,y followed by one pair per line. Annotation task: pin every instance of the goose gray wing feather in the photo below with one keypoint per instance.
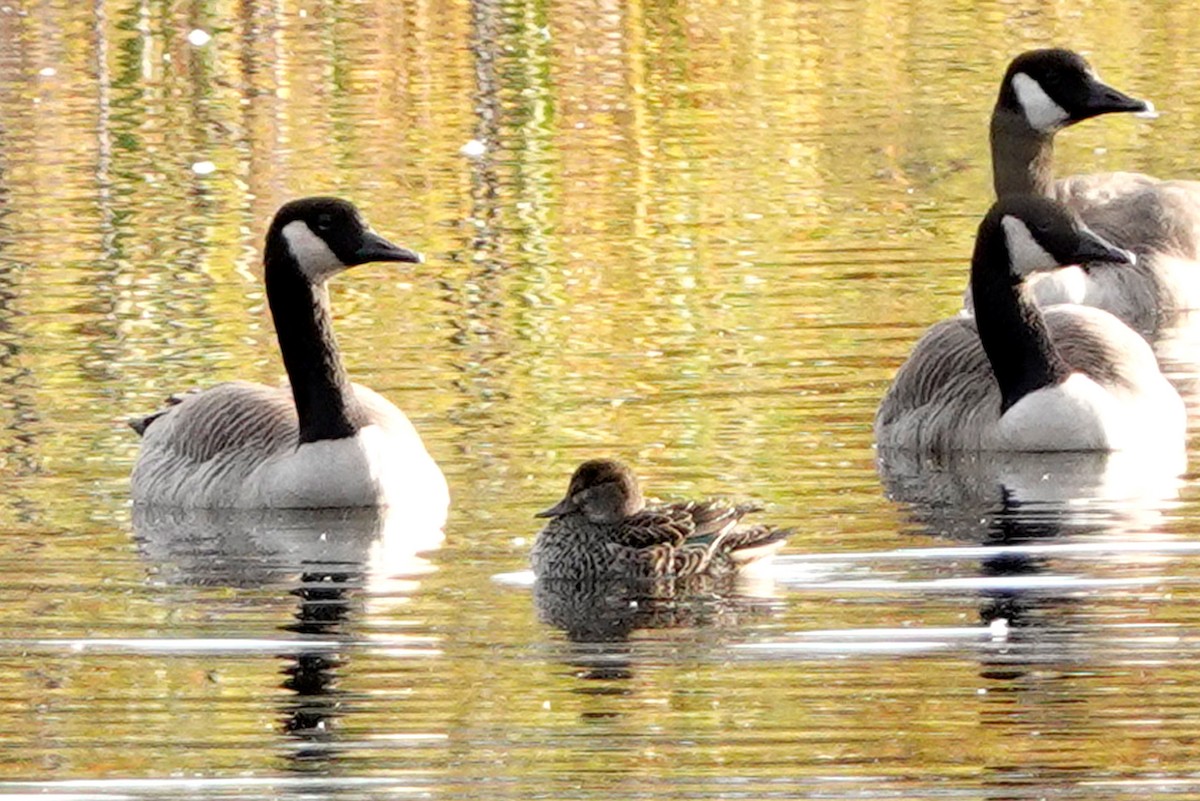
x,y
944,397
203,449
1102,347
1137,212
228,417
1158,220
208,444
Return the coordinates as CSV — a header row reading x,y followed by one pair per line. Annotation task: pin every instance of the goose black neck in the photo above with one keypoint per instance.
x,y
1011,327
325,402
1022,158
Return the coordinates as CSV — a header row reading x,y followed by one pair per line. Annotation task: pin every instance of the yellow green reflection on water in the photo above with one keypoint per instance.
x,y
701,237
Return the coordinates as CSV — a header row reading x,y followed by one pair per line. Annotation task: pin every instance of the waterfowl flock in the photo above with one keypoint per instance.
x,y
1069,283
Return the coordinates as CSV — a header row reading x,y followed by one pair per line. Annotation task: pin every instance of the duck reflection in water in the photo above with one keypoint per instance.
x,y
610,610
331,560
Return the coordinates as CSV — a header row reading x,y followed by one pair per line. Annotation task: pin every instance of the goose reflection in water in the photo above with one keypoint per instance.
x,y
338,563
1077,551
1116,500
1117,494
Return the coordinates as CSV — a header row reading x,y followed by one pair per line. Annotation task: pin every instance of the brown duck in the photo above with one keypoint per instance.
x,y
602,528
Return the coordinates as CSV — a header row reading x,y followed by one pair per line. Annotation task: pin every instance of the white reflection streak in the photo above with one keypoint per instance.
x,y
983,551
396,645
1043,581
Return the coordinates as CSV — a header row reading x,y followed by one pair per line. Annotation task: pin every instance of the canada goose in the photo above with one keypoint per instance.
x,y
1022,379
1044,91
323,441
602,529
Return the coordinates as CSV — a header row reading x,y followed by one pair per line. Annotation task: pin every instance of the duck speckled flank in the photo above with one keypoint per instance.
x,y
602,528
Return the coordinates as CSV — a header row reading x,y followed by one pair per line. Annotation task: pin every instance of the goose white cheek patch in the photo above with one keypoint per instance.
x,y
1025,255
315,258
1041,111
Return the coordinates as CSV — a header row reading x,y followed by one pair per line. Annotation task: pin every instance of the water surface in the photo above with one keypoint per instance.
x,y
700,237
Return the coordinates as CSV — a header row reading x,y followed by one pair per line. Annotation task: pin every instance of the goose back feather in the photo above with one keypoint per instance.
x,y
1137,212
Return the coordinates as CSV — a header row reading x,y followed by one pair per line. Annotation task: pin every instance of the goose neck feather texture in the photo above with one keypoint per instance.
x,y
326,407
1013,333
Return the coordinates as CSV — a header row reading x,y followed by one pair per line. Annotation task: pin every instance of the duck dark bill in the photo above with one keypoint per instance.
x,y
557,510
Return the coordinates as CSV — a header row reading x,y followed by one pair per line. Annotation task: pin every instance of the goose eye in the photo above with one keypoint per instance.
x,y
324,222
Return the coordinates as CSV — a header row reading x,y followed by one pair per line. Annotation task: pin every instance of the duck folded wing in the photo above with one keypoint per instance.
x,y
676,524
751,538
662,525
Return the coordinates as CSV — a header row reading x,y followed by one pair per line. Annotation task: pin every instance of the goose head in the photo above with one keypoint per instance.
x,y
1054,88
1039,235
603,490
321,236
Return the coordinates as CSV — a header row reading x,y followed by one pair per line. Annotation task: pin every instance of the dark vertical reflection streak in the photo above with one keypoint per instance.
x,y
101,278
312,713
1024,681
258,49
477,320
19,447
